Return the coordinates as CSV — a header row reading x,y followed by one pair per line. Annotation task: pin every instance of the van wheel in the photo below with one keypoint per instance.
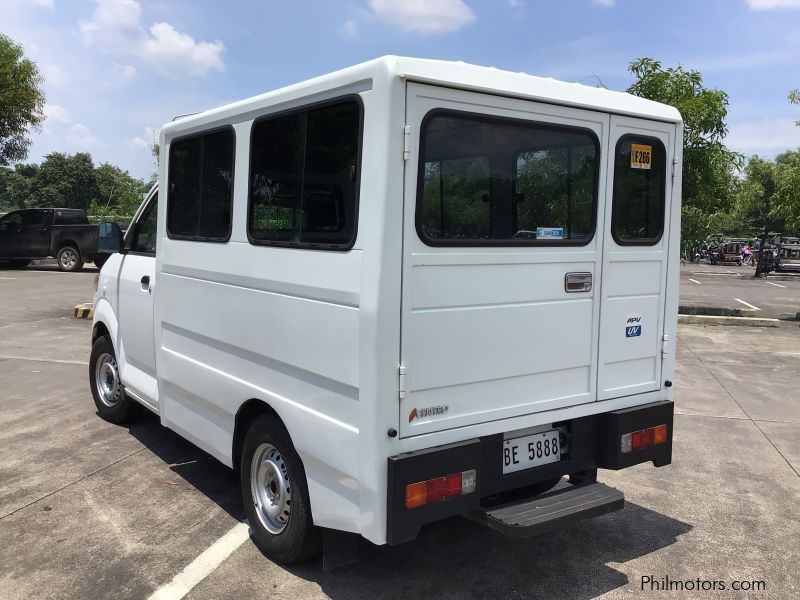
x,y
69,259
100,260
109,397
275,493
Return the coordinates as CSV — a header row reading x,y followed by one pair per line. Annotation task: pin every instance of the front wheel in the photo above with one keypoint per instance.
x,y
275,493
109,397
69,259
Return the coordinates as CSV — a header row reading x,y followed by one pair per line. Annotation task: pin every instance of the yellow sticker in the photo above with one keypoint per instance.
x,y
641,156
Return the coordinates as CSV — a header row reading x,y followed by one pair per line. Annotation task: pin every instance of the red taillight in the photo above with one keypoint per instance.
x,y
652,436
440,488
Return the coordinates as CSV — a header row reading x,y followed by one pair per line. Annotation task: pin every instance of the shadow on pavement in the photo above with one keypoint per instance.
x,y
198,468
462,559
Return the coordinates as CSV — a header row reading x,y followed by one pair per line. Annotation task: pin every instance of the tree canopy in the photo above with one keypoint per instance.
x,y
21,101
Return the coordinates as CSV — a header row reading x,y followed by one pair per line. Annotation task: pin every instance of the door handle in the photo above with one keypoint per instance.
x,y
145,281
578,282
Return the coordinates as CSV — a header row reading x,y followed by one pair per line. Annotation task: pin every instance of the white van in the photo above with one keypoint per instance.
x,y
403,291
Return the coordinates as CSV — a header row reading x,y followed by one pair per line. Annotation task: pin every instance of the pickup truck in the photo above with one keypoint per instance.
x,y
63,233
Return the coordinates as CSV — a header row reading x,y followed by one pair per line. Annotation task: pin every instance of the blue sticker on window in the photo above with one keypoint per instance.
x,y
633,331
549,233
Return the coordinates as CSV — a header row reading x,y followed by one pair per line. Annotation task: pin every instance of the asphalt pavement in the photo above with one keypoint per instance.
x,y
93,510
734,288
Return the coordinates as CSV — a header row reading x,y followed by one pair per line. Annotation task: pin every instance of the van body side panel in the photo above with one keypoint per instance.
x,y
237,321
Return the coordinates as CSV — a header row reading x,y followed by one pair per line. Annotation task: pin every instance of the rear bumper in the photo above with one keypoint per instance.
x,y
594,442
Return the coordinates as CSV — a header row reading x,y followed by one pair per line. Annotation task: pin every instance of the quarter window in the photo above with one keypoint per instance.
x,y
144,235
304,177
492,181
201,187
637,214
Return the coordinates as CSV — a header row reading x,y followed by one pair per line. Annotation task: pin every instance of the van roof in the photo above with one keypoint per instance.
x,y
448,73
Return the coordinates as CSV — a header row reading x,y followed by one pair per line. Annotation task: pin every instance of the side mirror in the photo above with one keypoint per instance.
x,y
109,238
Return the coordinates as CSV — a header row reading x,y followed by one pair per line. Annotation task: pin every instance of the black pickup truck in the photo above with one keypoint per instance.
x,y
64,233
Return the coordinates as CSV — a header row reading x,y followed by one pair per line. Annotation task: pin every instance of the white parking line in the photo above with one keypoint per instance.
x,y
47,360
8,278
205,564
695,281
775,284
747,304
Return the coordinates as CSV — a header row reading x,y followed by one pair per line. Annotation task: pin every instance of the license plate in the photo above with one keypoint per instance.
x,y
531,451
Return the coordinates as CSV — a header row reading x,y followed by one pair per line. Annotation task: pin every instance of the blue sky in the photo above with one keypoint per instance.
x,y
115,70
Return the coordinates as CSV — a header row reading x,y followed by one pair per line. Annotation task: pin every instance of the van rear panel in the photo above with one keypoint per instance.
x,y
535,257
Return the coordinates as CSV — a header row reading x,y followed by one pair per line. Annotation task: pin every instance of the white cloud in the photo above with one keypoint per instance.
x,y
56,113
350,29
763,136
170,51
424,16
116,29
146,140
604,3
55,75
80,137
516,3
772,4
44,3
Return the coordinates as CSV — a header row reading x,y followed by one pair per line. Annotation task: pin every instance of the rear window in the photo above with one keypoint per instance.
x,y
492,181
637,214
71,217
200,191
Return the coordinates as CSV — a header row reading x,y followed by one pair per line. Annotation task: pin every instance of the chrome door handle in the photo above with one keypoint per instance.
x,y
578,282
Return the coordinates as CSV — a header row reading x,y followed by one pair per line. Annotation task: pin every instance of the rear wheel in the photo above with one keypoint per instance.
x,y
69,259
109,397
275,493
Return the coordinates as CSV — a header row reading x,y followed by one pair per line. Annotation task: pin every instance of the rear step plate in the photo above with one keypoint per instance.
x,y
552,510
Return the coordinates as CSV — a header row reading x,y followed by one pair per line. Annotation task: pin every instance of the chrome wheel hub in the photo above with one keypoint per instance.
x,y
106,377
68,258
269,484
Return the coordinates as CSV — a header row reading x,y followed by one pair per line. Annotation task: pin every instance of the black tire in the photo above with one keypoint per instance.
x,y
118,408
299,539
19,263
69,259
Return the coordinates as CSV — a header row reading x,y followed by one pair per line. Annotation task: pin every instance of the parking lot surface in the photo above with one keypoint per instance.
x,y
734,288
93,510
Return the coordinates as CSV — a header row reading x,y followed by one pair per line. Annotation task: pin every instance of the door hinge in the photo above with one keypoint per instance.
x,y
406,142
665,346
674,168
402,383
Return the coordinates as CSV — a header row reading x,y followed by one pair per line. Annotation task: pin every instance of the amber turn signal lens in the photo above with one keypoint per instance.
x,y
659,434
416,494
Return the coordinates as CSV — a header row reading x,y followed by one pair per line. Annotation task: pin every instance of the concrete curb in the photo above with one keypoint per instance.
x,y
730,321
84,311
711,311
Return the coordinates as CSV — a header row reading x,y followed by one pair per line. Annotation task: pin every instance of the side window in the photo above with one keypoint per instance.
x,y
11,222
637,213
144,234
500,182
304,177
37,218
200,191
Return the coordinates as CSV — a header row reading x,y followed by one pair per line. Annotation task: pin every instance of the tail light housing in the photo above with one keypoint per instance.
x,y
440,488
644,438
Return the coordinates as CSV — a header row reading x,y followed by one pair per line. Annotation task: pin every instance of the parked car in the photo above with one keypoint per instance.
x,y
330,292
62,233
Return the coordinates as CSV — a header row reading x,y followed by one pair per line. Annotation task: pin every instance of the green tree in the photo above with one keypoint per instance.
x,y
118,194
65,180
21,101
707,164
794,98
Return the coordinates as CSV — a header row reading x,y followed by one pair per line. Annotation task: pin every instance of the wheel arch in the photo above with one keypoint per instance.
x,y
248,412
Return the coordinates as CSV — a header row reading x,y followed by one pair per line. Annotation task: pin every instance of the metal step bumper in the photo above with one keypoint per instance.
x,y
564,505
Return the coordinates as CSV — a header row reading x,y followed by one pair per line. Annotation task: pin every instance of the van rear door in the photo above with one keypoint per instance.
x,y
503,238
639,189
